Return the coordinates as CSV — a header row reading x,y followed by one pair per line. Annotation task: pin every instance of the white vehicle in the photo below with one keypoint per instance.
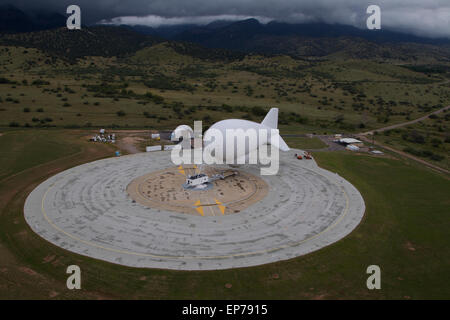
x,y
196,180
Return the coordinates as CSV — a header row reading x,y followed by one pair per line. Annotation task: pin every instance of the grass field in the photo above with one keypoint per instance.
x,y
25,149
304,143
404,231
158,87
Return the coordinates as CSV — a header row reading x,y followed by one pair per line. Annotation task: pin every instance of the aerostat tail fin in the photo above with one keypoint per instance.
x,y
271,121
279,143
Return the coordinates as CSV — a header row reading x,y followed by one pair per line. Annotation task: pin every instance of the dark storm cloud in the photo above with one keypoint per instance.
x,y
424,17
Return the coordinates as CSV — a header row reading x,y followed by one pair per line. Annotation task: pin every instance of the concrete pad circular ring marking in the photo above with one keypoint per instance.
x,y
87,210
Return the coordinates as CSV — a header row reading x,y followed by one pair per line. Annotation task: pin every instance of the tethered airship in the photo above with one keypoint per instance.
x,y
236,141
243,138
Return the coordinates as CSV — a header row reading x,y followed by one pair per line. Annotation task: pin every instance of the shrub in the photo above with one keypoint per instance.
x,y
414,137
437,157
40,82
121,113
436,142
148,115
6,81
258,111
339,118
227,108
424,154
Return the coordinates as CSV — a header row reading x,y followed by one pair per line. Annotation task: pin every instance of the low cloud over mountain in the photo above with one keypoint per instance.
x,y
426,18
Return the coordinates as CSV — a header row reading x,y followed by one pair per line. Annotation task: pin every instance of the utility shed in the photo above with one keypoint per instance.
x,y
352,147
355,142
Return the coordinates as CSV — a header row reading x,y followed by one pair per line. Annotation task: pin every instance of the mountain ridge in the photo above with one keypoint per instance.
x,y
14,20
218,39
107,41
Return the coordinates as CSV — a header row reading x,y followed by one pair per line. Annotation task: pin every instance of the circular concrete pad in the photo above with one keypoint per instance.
x,y
87,210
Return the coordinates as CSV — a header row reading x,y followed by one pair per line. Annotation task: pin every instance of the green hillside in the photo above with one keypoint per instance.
x,y
114,77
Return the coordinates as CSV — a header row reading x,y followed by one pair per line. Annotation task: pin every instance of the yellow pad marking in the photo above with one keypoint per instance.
x,y
221,207
199,207
181,170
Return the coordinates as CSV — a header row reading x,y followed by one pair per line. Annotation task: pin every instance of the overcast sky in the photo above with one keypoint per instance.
x,y
422,17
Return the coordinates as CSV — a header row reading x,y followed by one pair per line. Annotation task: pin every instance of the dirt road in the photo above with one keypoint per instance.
x,y
398,125
364,136
406,155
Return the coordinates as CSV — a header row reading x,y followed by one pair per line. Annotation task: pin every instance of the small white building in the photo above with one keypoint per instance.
x,y
352,147
153,148
182,130
348,141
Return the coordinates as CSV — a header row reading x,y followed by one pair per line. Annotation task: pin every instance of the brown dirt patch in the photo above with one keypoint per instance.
x,y
49,258
409,246
28,271
130,144
163,189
